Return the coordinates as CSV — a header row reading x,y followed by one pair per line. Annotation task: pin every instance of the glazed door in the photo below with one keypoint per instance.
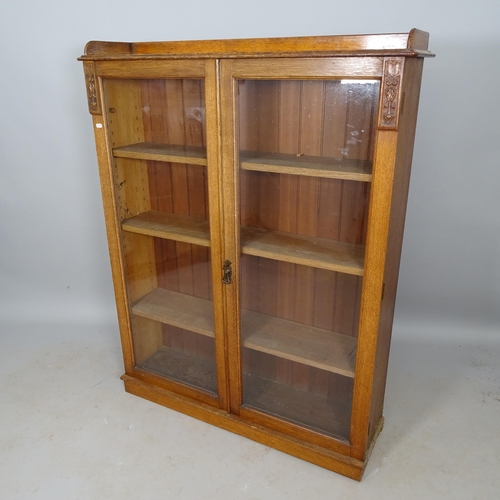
x,y
159,121
302,167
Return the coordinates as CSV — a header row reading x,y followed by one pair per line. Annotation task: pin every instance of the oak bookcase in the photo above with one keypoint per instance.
x,y
255,194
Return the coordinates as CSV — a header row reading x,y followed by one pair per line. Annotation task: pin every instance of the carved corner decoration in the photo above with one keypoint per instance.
x,y
92,89
391,93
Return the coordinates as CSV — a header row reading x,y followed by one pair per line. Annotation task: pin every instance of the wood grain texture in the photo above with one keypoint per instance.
x,y
97,47
304,250
339,67
407,125
298,342
230,209
141,69
92,85
170,226
258,284
311,118
299,407
378,225
215,213
132,195
413,43
190,370
194,155
147,337
311,219
391,93
177,309
176,386
173,113
294,341
334,443
321,456
310,166
304,118
288,143
165,112
112,232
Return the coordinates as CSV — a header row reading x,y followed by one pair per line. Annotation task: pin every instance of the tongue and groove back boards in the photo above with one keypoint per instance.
x,y
311,118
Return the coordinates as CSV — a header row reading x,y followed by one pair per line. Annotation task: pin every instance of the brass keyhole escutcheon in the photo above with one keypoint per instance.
x,y
227,273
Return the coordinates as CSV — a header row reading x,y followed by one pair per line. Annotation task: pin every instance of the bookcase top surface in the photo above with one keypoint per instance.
x,y
411,44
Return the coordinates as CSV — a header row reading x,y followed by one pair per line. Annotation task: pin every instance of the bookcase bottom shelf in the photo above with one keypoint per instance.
x,y
299,407
180,367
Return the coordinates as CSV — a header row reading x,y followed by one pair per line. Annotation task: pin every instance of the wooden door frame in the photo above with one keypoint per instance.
x,y
207,71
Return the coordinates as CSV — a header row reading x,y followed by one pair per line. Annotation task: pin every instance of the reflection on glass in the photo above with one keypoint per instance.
x,y
306,150
157,132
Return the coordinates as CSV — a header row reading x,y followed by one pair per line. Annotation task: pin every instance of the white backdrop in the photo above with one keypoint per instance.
x,y
54,264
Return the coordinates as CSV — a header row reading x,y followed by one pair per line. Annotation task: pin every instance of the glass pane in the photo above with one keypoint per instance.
x,y
157,132
306,151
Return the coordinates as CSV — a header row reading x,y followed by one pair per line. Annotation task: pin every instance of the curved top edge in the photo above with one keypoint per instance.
x,y
415,40
95,47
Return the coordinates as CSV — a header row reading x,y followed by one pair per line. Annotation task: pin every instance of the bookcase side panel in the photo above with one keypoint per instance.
x,y
407,126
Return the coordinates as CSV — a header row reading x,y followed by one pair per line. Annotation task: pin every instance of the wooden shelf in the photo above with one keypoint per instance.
x,y
286,247
193,155
177,309
170,226
313,166
299,407
305,344
304,250
181,367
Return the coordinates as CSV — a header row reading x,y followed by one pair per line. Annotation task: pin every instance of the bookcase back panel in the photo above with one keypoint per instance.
x,y
332,118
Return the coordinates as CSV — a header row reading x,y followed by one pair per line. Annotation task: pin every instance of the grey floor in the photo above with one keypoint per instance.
x,y
69,431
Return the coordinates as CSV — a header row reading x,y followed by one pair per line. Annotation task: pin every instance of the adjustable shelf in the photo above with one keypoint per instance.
x,y
170,226
312,166
176,309
286,247
193,155
305,250
305,344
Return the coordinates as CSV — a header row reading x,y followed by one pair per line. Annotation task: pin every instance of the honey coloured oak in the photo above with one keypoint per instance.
x,y
309,345
286,247
299,249
194,155
176,309
254,195
286,339
313,166
169,226
182,368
